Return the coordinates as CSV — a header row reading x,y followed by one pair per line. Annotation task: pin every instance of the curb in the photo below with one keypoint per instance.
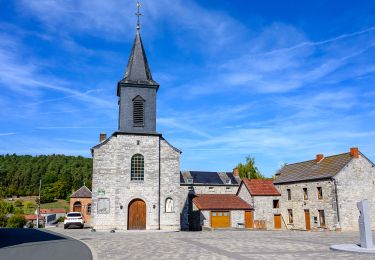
x,y
94,254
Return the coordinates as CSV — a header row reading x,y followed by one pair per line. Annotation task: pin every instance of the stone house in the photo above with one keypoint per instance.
x,y
80,201
322,193
221,211
264,198
193,183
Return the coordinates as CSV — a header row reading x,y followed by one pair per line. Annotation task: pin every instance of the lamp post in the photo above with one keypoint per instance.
x,y
38,211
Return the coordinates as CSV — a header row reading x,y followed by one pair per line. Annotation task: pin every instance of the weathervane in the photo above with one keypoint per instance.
x,y
138,14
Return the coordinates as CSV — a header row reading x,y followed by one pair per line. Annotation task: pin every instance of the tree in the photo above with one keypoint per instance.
x,y
249,170
6,208
16,221
60,174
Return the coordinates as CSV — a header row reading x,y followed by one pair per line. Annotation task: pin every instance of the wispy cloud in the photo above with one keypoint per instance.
x,y
7,134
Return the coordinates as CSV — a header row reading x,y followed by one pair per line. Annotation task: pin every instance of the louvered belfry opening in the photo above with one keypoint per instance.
x,y
138,112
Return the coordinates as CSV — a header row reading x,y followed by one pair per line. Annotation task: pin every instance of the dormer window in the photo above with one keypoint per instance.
x,y
189,180
138,111
228,181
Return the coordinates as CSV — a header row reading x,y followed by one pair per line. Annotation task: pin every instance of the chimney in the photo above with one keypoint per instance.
x,y
235,171
102,137
319,157
354,152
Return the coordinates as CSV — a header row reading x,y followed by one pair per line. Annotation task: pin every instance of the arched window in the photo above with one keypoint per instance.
x,y
138,111
137,168
169,207
88,211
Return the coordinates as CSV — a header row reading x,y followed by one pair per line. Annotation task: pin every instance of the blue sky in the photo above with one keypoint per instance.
x,y
277,80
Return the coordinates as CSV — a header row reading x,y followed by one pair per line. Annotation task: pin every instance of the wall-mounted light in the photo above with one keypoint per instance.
x,y
121,207
154,206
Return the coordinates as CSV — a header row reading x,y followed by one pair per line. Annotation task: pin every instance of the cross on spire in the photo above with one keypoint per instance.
x,y
138,14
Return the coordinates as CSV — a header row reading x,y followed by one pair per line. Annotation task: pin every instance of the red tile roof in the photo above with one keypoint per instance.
x,y
220,202
259,187
32,217
52,211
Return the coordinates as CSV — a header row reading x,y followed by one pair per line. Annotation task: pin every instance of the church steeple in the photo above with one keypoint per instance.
x,y
137,91
138,70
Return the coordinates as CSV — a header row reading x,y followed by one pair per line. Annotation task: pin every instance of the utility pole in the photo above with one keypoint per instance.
x,y
38,211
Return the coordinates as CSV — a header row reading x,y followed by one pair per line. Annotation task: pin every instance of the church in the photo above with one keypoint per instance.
x,y
136,172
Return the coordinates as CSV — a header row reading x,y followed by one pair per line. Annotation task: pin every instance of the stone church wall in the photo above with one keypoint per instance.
x,y
111,180
170,186
354,183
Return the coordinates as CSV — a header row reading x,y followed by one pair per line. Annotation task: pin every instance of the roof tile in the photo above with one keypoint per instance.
x,y
260,187
311,170
82,192
220,202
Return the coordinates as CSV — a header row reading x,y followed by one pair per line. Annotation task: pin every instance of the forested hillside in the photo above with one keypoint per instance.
x,y
60,175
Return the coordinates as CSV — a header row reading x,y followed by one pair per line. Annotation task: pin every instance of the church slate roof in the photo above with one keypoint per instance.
x,y
138,70
208,178
220,202
260,187
311,170
82,192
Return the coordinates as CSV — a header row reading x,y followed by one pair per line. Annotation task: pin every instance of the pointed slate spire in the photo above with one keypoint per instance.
x,y
138,70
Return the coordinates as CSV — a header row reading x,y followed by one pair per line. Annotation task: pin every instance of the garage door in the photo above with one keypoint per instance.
x,y
220,219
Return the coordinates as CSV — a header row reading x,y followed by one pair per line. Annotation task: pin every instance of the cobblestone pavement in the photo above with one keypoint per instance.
x,y
216,245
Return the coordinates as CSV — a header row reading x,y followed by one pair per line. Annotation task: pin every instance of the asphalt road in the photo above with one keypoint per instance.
x,y
32,244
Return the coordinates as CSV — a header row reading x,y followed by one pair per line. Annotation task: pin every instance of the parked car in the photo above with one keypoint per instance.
x,y
73,219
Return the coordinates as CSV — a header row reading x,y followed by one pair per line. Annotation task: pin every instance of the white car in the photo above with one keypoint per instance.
x,y
73,219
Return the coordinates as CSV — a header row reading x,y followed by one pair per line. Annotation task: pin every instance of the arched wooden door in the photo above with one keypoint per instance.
x,y
77,206
137,214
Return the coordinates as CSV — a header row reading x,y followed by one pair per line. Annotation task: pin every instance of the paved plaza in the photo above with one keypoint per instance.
x,y
216,245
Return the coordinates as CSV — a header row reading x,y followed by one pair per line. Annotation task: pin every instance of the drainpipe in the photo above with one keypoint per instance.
x,y
159,190
337,202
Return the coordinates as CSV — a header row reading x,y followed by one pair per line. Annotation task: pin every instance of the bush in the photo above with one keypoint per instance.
x,y
18,204
18,211
6,208
3,220
16,221
30,205
60,219
46,198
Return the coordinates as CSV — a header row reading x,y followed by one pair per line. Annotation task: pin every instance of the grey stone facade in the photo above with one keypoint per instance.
x,y
298,204
187,193
111,181
262,207
354,182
